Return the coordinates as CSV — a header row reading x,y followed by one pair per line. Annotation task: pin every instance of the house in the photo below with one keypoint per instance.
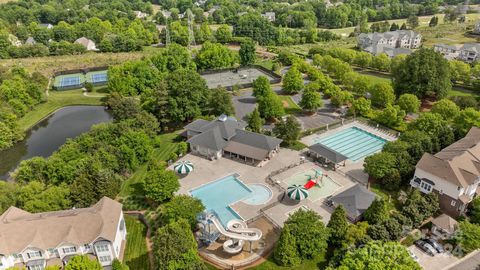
x,y
476,28
87,43
139,14
453,173
406,39
227,137
30,41
270,16
469,52
444,226
46,25
355,200
448,51
389,51
36,241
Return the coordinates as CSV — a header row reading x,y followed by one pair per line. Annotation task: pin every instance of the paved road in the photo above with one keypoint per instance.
x,y
471,262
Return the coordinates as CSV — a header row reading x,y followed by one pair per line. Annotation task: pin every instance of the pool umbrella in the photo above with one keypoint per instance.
x,y
297,192
183,167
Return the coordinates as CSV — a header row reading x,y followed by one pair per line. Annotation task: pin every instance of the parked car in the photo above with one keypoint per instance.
x,y
425,247
437,246
414,257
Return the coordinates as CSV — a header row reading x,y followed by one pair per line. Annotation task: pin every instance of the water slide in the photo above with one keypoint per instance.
x,y
238,232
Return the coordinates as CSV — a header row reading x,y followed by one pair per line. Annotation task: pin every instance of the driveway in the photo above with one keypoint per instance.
x,y
436,262
469,262
244,104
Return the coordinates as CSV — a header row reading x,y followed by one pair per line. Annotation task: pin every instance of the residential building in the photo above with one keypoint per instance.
x,y
453,173
36,241
139,14
444,226
389,51
469,52
476,28
30,41
379,42
449,52
87,43
270,16
227,137
355,200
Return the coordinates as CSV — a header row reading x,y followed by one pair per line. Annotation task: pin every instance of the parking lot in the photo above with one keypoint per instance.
x,y
437,262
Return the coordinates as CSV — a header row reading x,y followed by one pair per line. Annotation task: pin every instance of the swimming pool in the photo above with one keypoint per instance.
x,y
354,143
260,194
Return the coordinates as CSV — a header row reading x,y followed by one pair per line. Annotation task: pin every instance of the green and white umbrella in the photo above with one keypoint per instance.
x,y
297,192
183,167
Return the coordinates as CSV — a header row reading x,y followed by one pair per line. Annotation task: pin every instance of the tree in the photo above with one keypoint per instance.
x,y
419,207
391,116
412,21
270,106
460,71
123,107
309,232
214,55
288,130
257,28
403,27
223,33
382,94
83,262
465,120
446,108
360,84
221,102
285,252
174,247
381,62
255,122
117,265
423,73
261,86
181,206
338,226
379,255
160,184
380,165
247,53
311,100
468,236
361,106
292,81
341,97
377,212
474,210
409,103
433,21
394,27
356,234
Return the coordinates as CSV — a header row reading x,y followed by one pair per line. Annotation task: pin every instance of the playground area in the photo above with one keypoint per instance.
x,y
318,183
243,77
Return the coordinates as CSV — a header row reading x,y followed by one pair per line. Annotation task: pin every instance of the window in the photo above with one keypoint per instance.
x,y
34,254
52,252
1,263
105,258
86,246
16,256
69,250
453,203
102,248
122,225
35,267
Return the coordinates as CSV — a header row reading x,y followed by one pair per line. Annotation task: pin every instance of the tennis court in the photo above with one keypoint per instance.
x,y
97,77
229,78
69,81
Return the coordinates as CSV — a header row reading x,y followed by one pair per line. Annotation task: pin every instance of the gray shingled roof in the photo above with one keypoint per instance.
x,y
211,139
356,200
327,153
256,140
227,126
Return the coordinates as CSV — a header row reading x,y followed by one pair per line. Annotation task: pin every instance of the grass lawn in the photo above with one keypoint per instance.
x,y
268,63
55,101
450,34
388,196
376,78
289,105
458,92
136,254
319,263
167,145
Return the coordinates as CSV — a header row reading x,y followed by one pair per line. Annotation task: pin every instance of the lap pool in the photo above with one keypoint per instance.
x,y
354,143
217,196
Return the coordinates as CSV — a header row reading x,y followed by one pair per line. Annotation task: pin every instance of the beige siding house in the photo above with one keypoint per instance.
x,y
35,241
453,173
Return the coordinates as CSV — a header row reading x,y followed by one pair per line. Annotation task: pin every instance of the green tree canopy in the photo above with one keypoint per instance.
x,y
468,236
83,262
424,72
288,130
247,53
221,102
377,212
285,252
270,106
292,81
446,108
380,165
338,226
311,100
255,122
409,103
382,94
160,184
465,120
214,55
361,106
182,206
261,86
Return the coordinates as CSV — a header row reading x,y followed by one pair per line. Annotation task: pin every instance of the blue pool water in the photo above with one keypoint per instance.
x,y
260,194
354,143
218,195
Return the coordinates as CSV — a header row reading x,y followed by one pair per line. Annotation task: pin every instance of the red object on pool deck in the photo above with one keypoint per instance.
x,y
309,184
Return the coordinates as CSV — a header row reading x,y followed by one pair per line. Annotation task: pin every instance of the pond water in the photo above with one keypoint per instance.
x,y
49,134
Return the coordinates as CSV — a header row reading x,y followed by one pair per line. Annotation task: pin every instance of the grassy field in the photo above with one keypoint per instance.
x,y
136,254
450,34
55,101
50,64
132,184
310,265
289,105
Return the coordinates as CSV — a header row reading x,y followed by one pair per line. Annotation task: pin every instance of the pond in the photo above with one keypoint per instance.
x,y
51,133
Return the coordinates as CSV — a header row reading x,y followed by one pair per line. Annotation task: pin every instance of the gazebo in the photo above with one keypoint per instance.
x,y
183,167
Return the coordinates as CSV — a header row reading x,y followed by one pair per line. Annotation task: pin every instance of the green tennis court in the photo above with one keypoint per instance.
x,y
97,77
69,81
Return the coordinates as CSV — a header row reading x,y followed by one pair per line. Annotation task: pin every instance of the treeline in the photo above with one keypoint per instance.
x,y
19,93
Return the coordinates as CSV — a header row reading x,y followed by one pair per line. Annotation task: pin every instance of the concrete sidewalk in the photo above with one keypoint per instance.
x,y
469,262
